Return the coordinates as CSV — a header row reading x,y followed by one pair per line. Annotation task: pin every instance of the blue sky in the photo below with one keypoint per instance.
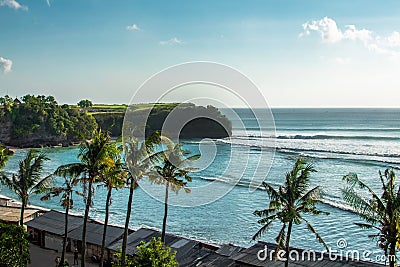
x,y
299,53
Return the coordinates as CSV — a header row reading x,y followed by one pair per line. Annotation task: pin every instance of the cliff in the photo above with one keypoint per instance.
x,y
208,121
40,121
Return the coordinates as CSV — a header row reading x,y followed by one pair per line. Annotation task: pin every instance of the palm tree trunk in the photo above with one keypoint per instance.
x,y
85,219
289,231
65,235
127,220
165,214
103,242
392,254
21,219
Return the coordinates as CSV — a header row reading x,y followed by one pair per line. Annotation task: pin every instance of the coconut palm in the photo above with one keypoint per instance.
x,y
66,191
173,172
113,177
95,156
381,213
288,203
138,157
28,180
5,154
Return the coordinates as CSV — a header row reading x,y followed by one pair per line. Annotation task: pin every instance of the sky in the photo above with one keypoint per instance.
x,y
299,53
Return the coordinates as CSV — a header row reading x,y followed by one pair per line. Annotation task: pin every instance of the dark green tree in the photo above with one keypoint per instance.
x,y
138,157
380,212
288,203
7,102
66,200
14,246
112,177
95,157
28,179
154,254
173,172
85,103
5,154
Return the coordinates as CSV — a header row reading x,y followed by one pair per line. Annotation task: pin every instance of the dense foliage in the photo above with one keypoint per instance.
x,y
14,246
85,103
154,254
288,205
42,115
380,211
151,254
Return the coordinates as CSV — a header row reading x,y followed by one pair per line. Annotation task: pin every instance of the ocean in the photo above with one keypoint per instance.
x,y
335,141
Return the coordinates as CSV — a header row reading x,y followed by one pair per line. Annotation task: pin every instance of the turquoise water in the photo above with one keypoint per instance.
x,y
336,141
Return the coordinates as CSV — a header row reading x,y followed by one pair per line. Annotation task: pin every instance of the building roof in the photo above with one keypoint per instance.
x,y
17,101
214,259
229,250
12,214
94,233
188,251
249,257
53,222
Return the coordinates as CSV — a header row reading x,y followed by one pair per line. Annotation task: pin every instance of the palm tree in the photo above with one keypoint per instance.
x,y
66,191
381,213
174,165
28,179
138,157
112,177
95,156
4,156
288,204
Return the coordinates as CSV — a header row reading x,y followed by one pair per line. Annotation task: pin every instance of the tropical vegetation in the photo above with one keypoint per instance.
x,y
149,254
42,113
95,156
381,212
173,172
28,180
113,177
14,246
154,254
5,154
288,203
66,200
138,157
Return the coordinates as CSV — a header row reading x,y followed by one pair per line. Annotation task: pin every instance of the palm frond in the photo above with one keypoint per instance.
x,y
360,205
352,179
367,226
281,238
317,236
262,230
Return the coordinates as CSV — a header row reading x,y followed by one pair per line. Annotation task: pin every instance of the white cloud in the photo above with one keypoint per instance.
x,y
48,2
133,27
13,4
331,33
394,39
171,41
352,33
5,65
342,61
326,27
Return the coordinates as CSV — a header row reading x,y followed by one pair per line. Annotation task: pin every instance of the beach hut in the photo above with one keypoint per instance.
x,y
94,235
5,201
47,230
12,215
188,252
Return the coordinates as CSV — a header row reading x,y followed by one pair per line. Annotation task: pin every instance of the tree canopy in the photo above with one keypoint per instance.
x,y
14,246
41,113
